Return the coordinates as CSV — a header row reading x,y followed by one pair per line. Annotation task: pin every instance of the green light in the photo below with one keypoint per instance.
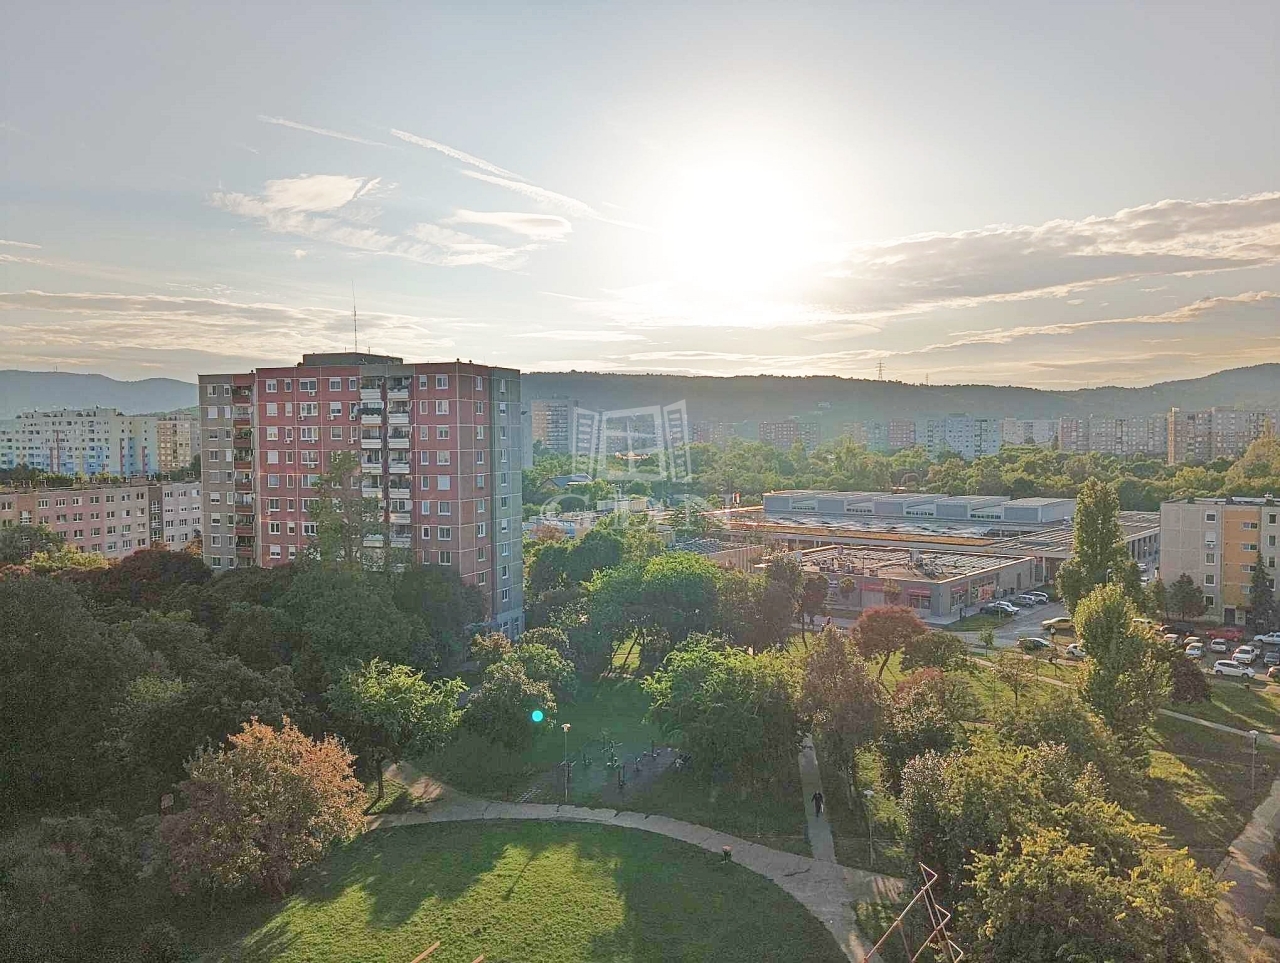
x,y
537,715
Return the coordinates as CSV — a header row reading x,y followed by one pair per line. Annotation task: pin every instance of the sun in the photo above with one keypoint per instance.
x,y
739,227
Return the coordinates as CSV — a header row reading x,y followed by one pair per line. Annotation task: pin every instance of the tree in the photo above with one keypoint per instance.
x,y
544,664
934,650
1263,611
846,705
1064,719
813,598
1186,598
885,629
501,711
1015,670
444,606
786,586
67,559
342,515
388,711
490,648
733,712
1125,678
917,722
19,542
147,576
1098,554
268,803
1187,680
1158,598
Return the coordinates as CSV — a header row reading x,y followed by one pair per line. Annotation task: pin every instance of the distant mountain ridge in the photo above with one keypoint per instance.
x,y
829,400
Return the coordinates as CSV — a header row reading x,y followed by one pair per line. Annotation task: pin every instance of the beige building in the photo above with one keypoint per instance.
x,y
1217,542
1202,436
551,421
175,435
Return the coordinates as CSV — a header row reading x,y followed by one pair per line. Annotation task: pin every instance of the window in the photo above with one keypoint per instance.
x,y
480,481
481,529
444,533
442,432
482,578
271,385
502,479
502,386
1210,516
442,381
213,409
424,507
479,407
443,483
504,501
273,528
1247,569
335,410
479,432
506,595
1271,541
309,529
442,457
273,504
1210,601
424,407
275,551
1249,526
424,458
309,434
426,531
307,409
273,481
288,409
425,482
423,381
215,498
288,434
288,384
273,434
482,553
335,384
215,540
446,558
213,390
444,508
335,434
1210,579
479,383
424,432
481,507
273,457
502,407
480,457
1210,558
1271,518
1249,546
504,572
308,384
442,406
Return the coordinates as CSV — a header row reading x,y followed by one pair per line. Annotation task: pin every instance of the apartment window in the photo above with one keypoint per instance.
x,y
482,553
444,508
1210,601
424,507
335,410
480,507
288,409
442,381
502,386
273,457
442,406
502,407
424,432
309,529
482,578
1247,569
479,481
273,434
504,501
215,498
480,457
273,481
273,504
424,407
1210,558
335,434
506,595
479,383
307,384
1249,546
288,432
504,572
335,384
424,458
446,558
308,434
1249,526
273,528
1210,579
479,432
215,540
275,551
1271,518
443,483
502,479
424,482
481,529
213,391
308,409
442,432
505,549
1271,541
1210,516
271,385
442,457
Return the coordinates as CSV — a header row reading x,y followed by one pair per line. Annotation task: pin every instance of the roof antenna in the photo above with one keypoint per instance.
x,y
355,331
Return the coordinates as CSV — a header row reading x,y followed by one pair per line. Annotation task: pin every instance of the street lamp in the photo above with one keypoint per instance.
x,y
565,727
866,807
1253,760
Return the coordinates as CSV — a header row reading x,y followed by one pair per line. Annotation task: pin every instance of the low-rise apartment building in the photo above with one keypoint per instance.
x,y
1217,541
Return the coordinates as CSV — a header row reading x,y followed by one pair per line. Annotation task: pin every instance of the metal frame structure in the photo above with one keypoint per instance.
x,y
939,917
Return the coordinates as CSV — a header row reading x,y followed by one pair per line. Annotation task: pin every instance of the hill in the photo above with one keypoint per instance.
x,y
25,390
834,400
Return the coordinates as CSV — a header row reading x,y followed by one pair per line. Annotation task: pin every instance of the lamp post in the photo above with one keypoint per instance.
x,y
565,728
1253,759
866,807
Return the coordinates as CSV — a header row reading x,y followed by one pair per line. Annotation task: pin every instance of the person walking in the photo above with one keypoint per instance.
x,y
817,803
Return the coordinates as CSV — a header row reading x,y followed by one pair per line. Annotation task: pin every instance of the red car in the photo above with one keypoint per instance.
x,y
1228,633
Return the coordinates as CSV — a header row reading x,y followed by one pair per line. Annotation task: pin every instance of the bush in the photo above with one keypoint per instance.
x,y
161,943
1271,917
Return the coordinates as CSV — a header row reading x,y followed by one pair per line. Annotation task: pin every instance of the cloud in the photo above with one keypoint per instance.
x,y
299,253
570,205
453,152
311,193
544,226
322,131
27,244
603,335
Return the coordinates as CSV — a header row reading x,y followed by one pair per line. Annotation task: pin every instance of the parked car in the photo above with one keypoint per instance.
x,y
1226,667
1032,643
1232,633
1060,624
1074,651
1273,637
1172,638
1000,606
1025,601
1195,650
1182,628
992,609
1042,598
1245,655
1218,645
1271,657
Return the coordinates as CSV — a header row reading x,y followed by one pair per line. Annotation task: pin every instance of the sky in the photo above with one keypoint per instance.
x,y
1043,194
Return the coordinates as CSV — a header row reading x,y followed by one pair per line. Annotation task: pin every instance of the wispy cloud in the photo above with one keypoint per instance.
x,y
27,244
453,152
322,131
544,226
598,335
570,205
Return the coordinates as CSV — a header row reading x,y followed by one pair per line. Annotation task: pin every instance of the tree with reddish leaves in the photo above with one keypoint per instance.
x,y
884,630
146,577
266,804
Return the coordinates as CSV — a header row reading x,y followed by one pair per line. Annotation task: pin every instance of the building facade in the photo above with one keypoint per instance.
x,y
715,433
81,442
1217,542
1202,436
113,520
965,435
784,434
177,442
551,421
901,433
1032,431
439,446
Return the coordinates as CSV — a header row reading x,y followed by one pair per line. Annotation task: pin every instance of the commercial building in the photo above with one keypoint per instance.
x,y
80,442
937,585
551,422
114,520
439,448
1202,436
177,441
1217,542
784,434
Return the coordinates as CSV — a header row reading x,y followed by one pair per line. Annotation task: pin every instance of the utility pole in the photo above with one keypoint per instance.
x,y
1253,759
565,727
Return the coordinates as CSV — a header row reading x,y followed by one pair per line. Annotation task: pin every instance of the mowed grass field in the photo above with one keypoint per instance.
x,y
521,892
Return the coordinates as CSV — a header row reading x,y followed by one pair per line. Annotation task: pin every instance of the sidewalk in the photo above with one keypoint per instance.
x,y
821,842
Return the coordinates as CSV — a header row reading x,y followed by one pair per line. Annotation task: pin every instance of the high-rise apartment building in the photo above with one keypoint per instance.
x,y
177,441
1224,432
114,520
552,419
80,441
901,433
715,433
439,447
1033,431
1217,542
965,435
872,435
784,434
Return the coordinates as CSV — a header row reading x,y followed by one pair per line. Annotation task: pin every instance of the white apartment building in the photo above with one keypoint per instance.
x,y
81,442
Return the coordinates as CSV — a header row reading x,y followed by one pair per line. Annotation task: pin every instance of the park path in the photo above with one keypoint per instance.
x,y
1243,863
821,843
825,889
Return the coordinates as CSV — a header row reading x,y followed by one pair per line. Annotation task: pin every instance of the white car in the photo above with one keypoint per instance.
x,y
1245,655
1172,638
1218,645
1040,597
1026,601
1226,667
1074,651
1269,637
1007,606
1194,651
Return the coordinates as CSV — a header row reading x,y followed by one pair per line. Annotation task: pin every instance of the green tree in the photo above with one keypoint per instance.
x,y
1063,718
1158,598
445,607
813,599
1016,671
1099,554
733,712
342,515
845,703
19,542
501,711
146,577
917,722
1263,612
490,648
934,650
544,664
65,559
1125,679
885,629
388,711
1186,598
258,810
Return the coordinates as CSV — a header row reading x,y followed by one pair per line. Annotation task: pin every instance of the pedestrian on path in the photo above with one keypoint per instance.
x,y
817,803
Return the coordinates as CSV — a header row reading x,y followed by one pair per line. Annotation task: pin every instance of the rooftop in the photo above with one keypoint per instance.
x,y
901,563
347,358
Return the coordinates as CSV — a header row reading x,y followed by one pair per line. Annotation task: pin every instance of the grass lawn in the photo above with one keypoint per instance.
x,y
616,707
976,623
1232,704
849,823
518,892
395,797
1198,787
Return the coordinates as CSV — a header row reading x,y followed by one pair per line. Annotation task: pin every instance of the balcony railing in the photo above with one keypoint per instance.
x,y
398,418
399,467
244,530
399,444
246,551
243,464
398,394
244,484
370,393
401,518
367,443
242,421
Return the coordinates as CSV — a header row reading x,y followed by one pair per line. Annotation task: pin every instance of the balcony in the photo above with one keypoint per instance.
x,y
244,485
402,542
371,467
245,530
371,442
401,518
398,418
398,393
399,467
373,541
243,464
370,394
370,417
371,491
246,551
242,421
400,442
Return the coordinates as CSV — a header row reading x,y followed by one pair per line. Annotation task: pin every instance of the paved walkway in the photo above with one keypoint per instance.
x,y
1242,864
825,889
821,843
